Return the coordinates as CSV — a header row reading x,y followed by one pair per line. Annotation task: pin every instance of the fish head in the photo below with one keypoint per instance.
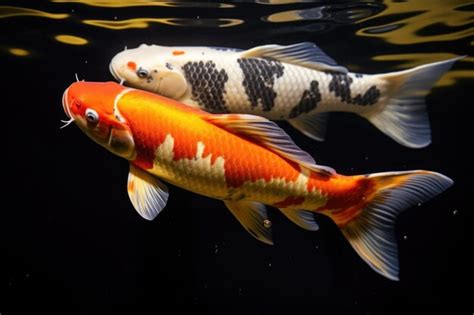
x,y
150,68
93,107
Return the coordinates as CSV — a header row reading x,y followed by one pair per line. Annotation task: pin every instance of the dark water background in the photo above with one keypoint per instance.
x,y
71,243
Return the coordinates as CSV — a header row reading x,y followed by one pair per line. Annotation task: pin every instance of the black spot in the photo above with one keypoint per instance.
x,y
207,84
259,78
359,75
370,97
309,100
340,85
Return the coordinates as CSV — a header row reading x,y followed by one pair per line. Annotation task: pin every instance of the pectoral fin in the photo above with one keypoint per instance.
x,y
172,84
253,217
147,194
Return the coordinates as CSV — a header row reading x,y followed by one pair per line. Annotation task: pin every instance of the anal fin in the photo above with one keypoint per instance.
x,y
302,218
312,125
253,217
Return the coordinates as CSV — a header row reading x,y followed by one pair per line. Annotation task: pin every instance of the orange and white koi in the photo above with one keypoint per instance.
x,y
298,83
248,162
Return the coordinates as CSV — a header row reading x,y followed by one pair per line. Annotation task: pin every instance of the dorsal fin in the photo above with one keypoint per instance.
x,y
268,134
302,54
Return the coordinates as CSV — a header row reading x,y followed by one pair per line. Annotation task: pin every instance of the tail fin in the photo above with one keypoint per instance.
x,y
404,117
372,233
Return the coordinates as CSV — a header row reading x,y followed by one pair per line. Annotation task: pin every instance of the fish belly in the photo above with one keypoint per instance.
x,y
242,179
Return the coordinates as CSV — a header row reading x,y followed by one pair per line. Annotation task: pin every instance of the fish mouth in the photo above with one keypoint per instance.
x,y
65,104
114,73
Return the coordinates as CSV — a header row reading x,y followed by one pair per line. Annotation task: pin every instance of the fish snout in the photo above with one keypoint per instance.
x,y
113,71
65,104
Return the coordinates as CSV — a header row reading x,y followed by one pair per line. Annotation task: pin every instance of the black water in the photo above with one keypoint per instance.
x,y
71,243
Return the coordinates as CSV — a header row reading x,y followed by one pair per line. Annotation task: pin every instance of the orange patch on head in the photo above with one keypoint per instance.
x,y
99,96
178,52
132,65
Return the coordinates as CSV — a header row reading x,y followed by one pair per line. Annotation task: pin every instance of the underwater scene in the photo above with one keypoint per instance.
x,y
250,157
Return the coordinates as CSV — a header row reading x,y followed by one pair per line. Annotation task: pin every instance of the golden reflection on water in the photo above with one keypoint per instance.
x,y
8,11
145,22
417,59
20,52
330,12
400,23
453,76
71,40
276,2
287,16
412,29
139,3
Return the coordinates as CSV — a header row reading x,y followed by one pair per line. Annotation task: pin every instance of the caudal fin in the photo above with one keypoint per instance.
x,y
404,117
372,232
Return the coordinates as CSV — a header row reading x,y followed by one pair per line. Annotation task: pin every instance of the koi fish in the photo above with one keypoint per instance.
x,y
247,162
298,83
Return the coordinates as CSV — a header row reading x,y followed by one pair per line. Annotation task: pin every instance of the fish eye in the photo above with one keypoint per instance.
x,y
142,73
92,116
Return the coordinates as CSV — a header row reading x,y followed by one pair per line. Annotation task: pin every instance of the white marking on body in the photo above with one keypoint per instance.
x,y
198,174
200,150
202,176
117,99
278,188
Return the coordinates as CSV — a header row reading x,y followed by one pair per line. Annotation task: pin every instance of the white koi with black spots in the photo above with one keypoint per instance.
x,y
298,83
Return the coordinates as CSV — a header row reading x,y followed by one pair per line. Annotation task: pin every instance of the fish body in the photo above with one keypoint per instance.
x,y
298,83
246,161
